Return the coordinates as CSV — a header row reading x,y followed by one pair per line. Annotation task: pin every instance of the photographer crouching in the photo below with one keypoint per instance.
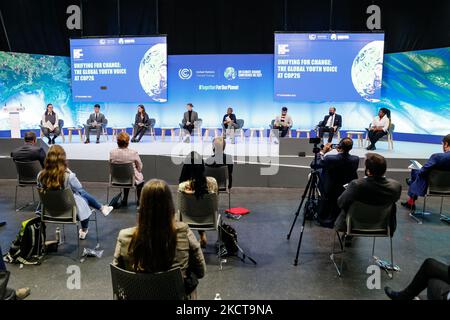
x,y
336,170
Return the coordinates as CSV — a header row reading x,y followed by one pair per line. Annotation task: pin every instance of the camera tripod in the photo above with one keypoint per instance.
x,y
312,195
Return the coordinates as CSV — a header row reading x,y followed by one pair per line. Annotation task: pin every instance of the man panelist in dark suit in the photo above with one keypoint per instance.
x,y
418,184
189,118
331,124
336,171
29,151
96,121
374,189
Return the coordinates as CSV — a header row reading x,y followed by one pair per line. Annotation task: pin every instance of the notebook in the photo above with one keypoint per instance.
x,y
415,165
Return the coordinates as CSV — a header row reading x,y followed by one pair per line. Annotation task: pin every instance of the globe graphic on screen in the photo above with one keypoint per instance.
x,y
367,70
230,73
153,72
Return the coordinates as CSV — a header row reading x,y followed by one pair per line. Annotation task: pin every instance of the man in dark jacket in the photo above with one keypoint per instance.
x,y
336,171
374,189
29,151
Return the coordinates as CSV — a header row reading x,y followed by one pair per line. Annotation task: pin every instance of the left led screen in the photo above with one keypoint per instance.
x,y
130,69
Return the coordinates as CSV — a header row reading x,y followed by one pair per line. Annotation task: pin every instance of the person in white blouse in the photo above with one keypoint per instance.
x,y
378,128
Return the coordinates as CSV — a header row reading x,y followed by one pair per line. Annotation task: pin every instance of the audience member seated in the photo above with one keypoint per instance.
x,y
29,151
373,189
123,155
159,243
189,119
141,124
220,158
418,184
50,124
96,121
229,123
330,123
283,123
378,128
193,181
21,293
336,171
56,175
433,276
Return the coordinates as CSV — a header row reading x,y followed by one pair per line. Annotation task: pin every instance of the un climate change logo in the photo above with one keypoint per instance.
x,y
185,73
230,73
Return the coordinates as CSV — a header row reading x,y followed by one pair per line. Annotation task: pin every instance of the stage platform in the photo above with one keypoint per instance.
x,y
259,161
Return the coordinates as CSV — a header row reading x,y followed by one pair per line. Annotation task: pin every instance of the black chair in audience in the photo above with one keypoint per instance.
x,y
121,176
26,177
438,186
59,207
365,220
221,176
127,285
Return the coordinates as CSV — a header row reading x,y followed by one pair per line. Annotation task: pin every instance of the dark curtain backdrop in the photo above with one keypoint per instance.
x,y
219,26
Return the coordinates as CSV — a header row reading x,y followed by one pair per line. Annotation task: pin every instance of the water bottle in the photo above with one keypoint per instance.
x,y
58,235
217,297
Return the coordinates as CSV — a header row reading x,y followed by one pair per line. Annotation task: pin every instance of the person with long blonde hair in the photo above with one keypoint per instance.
x,y
56,175
159,242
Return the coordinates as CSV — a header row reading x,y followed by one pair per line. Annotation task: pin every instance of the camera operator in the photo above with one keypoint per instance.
x,y
335,171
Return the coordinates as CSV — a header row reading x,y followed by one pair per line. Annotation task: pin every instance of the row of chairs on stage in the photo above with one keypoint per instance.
x,y
204,132
58,207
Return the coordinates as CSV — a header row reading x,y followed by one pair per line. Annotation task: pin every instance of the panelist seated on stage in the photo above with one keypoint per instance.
x,y
141,123
418,183
335,171
283,122
29,151
95,122
229,123
189,118
50,124
330,123
379,127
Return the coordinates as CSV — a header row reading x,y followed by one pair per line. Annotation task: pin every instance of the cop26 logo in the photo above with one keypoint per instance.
x,y
185,73
230,73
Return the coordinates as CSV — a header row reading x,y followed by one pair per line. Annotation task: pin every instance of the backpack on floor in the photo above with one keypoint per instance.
x,y
29,245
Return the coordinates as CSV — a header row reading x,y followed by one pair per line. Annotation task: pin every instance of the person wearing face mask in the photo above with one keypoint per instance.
x,y
373,189
331,124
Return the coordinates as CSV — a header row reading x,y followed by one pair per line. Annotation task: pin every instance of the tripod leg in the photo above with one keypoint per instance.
x,y
299,207
311,182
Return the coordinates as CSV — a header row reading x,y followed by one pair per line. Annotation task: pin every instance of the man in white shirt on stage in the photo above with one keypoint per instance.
x,y
378,128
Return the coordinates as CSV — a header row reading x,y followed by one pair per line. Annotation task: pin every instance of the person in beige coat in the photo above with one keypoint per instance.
x,y
159,243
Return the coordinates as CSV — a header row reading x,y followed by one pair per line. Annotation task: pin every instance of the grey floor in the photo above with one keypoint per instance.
x,y
262,234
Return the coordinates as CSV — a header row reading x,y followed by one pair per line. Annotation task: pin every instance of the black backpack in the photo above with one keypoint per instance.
x,y
29,245
229,240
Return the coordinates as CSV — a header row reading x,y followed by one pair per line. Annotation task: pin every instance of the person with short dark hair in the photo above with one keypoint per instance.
x,y
159,243
336,171
29,151
379,127
330,123
96,121
418,183
189,119
123,155
283,123
220,158
50,124
433,275
141,123
229,123
374,189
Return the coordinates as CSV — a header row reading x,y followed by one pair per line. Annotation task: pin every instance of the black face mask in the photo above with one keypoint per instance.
x,y
330,113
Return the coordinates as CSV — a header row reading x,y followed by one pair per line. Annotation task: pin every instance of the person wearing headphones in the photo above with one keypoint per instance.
x,y
336,170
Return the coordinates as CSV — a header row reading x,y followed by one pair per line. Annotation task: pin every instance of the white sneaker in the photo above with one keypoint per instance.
x,y
106,210
83,234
